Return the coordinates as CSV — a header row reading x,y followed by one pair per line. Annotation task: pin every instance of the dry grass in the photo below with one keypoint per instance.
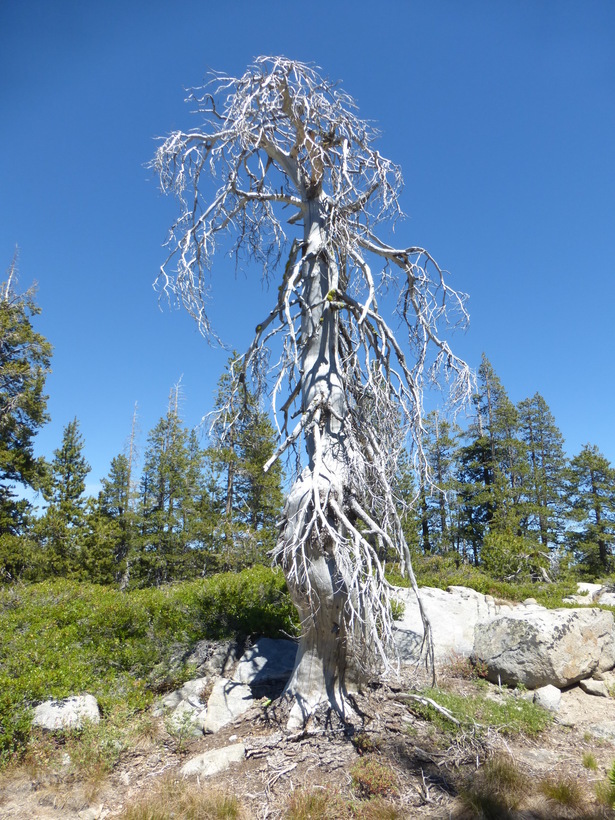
x,y
566,791
495,790
322,804
174,799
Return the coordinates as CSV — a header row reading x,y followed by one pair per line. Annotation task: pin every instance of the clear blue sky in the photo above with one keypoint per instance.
x,y
501,114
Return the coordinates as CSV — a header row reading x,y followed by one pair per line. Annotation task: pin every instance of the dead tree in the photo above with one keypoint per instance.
x,y
280,152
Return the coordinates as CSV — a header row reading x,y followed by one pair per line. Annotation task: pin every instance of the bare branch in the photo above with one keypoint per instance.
x,y
283,137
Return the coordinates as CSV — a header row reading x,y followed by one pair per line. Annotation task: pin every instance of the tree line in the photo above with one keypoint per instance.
x,y
502,493
190,510
499,493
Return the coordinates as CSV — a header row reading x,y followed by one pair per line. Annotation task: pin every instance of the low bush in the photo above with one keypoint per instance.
x,y
371,778
61,638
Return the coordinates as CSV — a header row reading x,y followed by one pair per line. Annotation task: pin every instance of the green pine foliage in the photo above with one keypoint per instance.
x,y
171,487
112,527
247,499
61,530
590,491
543,484
439,508
24,364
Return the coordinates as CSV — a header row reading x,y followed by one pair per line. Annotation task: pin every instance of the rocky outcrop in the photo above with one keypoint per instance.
x,y
453,613
537,646
70,713
228,700
208,703
267,661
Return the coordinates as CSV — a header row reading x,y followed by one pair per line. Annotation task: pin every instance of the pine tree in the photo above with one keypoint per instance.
x,y
248,499
439,506
62,528
590,489
546,461
170,498
493,465
24,363
112,535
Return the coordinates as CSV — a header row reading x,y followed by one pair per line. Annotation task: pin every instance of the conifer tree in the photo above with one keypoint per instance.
x,y
24,363
112,526
590,489
249,500
441,443
62,528
171,487
493,464
543,480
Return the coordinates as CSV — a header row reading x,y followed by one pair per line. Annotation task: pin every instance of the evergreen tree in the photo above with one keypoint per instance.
x,y
439,506
543,480
590,489
62,528
170,497
493,465
248,499
24,364
409,512
112,536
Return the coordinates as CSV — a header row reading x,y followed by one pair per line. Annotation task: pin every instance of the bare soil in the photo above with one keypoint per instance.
x,y
431,767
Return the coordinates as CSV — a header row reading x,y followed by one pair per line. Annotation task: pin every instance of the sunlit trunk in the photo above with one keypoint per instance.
x,y
322,671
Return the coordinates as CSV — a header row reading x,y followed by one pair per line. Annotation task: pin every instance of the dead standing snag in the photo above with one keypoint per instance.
x,y
286,148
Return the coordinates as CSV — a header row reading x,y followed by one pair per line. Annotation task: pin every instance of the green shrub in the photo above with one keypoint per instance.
x,y
504,554
61,638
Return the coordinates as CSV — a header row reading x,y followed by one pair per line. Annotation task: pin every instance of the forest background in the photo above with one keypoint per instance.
x,y
502,119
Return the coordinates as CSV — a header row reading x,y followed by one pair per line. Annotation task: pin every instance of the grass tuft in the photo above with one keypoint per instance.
x,y
565,791
496,790
179,799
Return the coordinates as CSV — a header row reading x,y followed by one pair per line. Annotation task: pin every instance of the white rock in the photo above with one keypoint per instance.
x,y
591,590
453,614
70,713
227,701
605,730
268,660
537,647
187,719
215,761
549,697
594,687
586,594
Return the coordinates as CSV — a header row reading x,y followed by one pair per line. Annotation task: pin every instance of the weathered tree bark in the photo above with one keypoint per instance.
x,y
323,668
282,137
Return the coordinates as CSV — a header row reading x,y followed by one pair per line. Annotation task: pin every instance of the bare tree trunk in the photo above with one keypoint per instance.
x,y
322,671
348,377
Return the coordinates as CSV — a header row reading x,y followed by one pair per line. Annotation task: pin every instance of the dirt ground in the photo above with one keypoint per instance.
x,y
430,766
